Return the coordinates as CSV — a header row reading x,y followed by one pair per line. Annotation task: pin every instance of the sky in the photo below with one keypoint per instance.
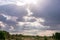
x,y
35,17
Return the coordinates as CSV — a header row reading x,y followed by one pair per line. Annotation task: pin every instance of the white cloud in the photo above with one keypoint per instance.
x,y
30,32
37,32
28,18
2,25
40,20
20,23
29,11
13,18
32,25
11,28
4,2
46,33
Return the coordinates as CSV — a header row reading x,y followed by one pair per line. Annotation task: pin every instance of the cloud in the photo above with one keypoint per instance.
x,y
32,25
2,25
2,18
4,2
11,28
50,12
13,18
13,10
44,16
10,15
36,32
6,24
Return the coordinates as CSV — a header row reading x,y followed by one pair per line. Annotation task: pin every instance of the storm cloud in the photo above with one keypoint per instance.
x,y
44,16
50,12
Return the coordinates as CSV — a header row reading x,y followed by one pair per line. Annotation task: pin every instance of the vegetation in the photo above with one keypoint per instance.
x,y
56,36
45,38
6,36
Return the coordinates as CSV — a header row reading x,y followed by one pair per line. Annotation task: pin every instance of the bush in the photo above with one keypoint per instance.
x,y
56,36
45,38
4,35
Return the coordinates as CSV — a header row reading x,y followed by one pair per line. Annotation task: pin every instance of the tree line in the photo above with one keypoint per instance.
x,y
4,35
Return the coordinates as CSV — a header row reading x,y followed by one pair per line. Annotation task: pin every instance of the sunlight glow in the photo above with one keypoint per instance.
x,y
26,2
19,3
30,1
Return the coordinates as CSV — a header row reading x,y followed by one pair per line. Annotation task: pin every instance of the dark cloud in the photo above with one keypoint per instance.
x,y
20,19
2,18
13,10
50,12
8,22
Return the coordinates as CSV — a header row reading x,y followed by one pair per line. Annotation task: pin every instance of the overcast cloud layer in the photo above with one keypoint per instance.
x,y
45,16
